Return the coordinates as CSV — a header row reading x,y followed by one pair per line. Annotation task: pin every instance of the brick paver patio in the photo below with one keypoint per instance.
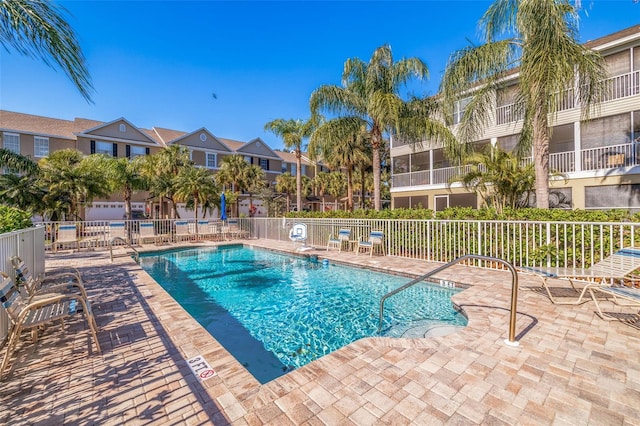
x,y
571,367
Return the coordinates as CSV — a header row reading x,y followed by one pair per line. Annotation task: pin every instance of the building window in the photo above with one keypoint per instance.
x,y
459,109
123,128
11,142
104,148
40,146
212,162
264,164
284,167
248,159
137,151
304,170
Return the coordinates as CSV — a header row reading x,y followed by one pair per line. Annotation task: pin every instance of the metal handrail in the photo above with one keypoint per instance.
x,y
137,255
514,290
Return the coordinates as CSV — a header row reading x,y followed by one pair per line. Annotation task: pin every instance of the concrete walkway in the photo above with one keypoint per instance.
x,y
571,367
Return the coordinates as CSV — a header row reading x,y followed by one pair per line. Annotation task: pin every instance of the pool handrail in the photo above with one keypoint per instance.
x,y
514,290
114,239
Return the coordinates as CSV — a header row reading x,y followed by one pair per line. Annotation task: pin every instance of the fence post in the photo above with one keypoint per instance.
x,y
548,243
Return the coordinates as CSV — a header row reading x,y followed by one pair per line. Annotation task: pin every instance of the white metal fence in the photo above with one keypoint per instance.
x,y
29,245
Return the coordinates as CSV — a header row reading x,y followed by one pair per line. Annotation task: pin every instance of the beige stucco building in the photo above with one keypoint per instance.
x,y
600,158
36,137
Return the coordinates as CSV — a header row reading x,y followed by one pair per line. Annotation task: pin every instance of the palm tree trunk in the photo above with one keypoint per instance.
x,y
541,158
376,144
299,180
350,189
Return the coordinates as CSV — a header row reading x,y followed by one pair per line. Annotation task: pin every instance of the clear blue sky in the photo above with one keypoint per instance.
x,y
158,63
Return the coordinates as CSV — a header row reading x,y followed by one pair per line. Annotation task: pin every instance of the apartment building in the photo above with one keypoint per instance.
x,y
36,137
599,158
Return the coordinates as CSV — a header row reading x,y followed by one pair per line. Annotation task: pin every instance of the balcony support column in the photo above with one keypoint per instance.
x,y
577,147
431,165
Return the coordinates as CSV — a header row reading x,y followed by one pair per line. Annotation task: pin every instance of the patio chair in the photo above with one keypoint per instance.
x,y
117,230
376,239
207,230
613,268
182,230
344,236
67,234
35,314
58,282
148,232
629,295
235,231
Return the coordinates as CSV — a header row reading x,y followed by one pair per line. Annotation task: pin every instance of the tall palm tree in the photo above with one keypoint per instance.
x,y
344,151
369,97
544,48
286,184
125,176
293,134
254,181
37,29
23,192
232,171
197,184
161,169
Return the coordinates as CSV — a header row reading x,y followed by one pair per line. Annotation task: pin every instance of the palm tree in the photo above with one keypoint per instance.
x,y
232,171
17,162
23,192
293,134
125,176
343,151
72,180
337,186
160,171
369,97
499,178
321,183
254,181
548,57
197,184
286,184
37,29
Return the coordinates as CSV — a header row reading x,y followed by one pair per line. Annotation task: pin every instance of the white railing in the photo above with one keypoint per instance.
x,y
559,162
509,113
410,179
608,157
622,86
445,174
29,245
571,244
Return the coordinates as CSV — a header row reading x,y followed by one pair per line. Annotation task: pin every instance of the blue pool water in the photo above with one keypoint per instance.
x,y
275,313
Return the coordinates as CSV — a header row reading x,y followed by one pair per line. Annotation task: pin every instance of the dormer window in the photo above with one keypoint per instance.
x,y
123,128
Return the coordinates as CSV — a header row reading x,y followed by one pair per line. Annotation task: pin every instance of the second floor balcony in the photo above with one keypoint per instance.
x,y
601,158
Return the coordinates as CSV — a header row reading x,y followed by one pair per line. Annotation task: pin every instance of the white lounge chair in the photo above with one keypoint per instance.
x,y
182,230
65,281
620,295
148,232
376,239
343,237
604,273
67,234
35,314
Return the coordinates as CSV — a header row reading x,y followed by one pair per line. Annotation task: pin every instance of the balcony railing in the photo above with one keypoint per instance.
x,y
601,158
618,87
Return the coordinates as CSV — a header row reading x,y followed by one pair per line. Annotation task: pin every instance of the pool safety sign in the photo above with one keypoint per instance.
x,y
201,368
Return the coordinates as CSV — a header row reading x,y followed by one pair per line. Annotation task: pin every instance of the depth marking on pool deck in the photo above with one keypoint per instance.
x,y
201,368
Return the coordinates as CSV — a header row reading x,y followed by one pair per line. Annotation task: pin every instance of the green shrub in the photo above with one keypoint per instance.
x,y
12,219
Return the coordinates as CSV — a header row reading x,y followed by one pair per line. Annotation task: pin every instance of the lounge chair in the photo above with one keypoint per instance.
x,y
117,230
32,315
148,232
376,239
630,297
235,231
67,234
344,236
182,230
59,282
207,230
615,267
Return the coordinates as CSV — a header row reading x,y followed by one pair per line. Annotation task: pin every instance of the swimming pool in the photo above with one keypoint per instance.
x,y
275,313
